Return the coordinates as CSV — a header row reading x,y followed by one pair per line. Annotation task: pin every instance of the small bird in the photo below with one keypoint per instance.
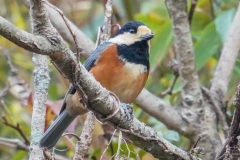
x,y
121,65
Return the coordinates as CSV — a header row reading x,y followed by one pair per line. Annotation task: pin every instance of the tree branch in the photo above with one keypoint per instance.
x,y
198,115
17,128
223,72
159,109
40,26
191,92
85,138
13,143
232,140
32,43
106,26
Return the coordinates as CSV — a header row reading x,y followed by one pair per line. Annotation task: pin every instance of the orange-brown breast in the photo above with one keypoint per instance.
x,y
126,81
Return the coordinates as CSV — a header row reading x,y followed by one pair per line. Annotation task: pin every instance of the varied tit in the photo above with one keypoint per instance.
x,y
121,65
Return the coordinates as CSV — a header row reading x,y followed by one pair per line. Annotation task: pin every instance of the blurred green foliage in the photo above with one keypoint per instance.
x,y
210,25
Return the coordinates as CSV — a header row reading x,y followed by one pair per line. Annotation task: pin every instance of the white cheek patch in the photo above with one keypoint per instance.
x,y
135,69
126,38
142,30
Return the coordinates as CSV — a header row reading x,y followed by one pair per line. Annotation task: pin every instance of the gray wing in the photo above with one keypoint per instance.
x,y
55,131
89,63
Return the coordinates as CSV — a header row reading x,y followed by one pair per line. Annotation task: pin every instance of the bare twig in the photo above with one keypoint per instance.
x,y
199,138
17,128
170,89
117,156
127,148
106,27
226,63
234,129
16,84
173,64
220,115
14,143
192,9
4,91
71,134
195,149
108,144
9,61
85,138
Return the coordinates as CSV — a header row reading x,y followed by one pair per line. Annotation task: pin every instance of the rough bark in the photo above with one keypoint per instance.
x,y
198,115
86,138
223,72
41,84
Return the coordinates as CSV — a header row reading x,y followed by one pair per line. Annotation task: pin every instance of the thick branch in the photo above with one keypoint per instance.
x,y
40,26
24,39
191,92
223,72
85,138
199,116
102,105
159,109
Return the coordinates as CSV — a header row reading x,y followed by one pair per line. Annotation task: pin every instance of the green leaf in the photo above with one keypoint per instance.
x,y
223,23
207,45
172,136
141,153
161,42
20,155
199,21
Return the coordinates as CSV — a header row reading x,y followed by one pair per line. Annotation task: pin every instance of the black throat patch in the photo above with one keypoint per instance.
x,y
137,53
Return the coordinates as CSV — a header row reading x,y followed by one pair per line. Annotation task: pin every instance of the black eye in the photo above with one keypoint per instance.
x,y
132,31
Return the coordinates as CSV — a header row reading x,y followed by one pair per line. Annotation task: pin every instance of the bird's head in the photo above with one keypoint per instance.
x,y
132,32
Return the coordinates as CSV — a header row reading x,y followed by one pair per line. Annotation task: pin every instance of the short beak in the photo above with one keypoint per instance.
x,y
147,36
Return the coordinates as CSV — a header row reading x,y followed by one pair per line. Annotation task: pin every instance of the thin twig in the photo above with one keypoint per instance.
x,y
195,149
199,138
14,143
85,138
9,61
15,81
119,145
170,89
4,91
108,144
191,12
17,128
173,64
68,26
106,26
220,115
71,134
127,148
